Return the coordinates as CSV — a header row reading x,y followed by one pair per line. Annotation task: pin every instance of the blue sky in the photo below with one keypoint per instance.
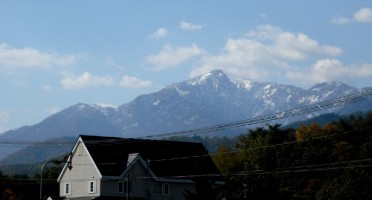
x,y
54,54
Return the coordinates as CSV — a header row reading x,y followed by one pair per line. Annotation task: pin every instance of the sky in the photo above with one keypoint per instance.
x,y
55,54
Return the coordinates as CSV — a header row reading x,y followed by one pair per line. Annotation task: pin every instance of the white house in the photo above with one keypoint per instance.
x,y
118,168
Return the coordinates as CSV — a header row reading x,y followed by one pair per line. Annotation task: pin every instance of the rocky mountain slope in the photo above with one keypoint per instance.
x,y
206,100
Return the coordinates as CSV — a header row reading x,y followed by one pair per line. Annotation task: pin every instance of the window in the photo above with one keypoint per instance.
x,y
81,150
165,188
124,187
160,188
67,189
156,188
120,187
137,169
92,187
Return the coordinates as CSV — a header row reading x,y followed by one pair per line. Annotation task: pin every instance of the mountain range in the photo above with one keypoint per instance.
x,y
210,99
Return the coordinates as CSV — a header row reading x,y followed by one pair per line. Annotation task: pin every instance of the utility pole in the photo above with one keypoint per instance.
x,y
41,175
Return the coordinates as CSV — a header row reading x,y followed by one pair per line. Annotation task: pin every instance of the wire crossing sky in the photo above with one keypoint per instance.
x,y
57,54
316,107
341,101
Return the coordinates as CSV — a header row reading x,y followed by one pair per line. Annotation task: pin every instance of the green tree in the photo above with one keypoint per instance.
x,y
204,190
261,156
226,159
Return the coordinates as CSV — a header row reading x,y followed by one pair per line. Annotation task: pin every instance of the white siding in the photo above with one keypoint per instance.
x,y
82,173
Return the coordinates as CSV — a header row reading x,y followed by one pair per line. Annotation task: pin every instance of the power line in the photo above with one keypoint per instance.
x,y
364,94
229,152
111,141
341,101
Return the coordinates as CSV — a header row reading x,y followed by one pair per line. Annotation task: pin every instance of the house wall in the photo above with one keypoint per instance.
x,y
84,171
136,176
176,191
142,186
79,178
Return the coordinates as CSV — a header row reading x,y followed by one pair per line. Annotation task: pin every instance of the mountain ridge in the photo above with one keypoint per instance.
x,y
209,99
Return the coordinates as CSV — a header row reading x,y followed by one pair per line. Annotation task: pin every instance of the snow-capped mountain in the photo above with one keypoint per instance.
x,y
206,100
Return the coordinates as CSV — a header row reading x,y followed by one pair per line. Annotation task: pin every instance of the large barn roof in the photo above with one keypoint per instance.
x,y
166,159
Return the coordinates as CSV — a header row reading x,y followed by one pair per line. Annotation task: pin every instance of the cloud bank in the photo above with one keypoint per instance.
x,y
363,15
84,80
159,33
134,82
267,53
31,58
190,26
170,56
330,70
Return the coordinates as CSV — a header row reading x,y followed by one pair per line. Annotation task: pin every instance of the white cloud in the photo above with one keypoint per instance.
x,y
340,20
363,15
265,52
290,46
159,33
190,26
134,82
86,80
171,57
331,70
11,57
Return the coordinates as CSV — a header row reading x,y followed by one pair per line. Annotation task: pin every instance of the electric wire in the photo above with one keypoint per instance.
x,y
344,100
295,169
328,104
364,94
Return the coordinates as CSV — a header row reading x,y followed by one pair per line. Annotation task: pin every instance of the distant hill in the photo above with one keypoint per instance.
x,y
41,151
206,100
321,120
29,160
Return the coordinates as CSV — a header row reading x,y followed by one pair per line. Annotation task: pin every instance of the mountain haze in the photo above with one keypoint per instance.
x,y
206,100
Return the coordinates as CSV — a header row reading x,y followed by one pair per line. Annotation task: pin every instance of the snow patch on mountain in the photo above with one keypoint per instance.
x,y
206,100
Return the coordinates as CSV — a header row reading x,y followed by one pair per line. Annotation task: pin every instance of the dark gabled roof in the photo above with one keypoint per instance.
x,y
166,159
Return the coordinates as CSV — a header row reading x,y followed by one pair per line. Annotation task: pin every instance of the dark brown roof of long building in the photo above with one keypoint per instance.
x,y
166,159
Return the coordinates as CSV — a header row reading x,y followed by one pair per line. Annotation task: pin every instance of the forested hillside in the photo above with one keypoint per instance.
x,y
311,162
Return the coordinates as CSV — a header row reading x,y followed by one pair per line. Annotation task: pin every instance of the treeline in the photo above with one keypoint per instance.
x,y
20,187
333,161
312,161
